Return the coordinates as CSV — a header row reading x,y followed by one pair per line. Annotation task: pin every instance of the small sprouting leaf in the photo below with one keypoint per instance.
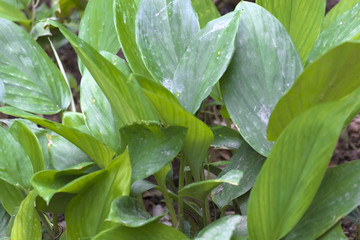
x,y
205,11
32,81
221,229
126,211
264,67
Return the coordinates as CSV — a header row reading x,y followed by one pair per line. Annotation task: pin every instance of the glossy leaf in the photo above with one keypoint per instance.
x,y
225,137
99,116
335,233
12,13
164,30
4,220
32,81
334,70
15,165
72,119
200,190
152,231
301,18
27,222
30,144
291,175
96,150
10,196
71,180
337,196
199,135
342,29
151,147
125,210
221,229
125,16
341,7
264,67
97,27
113,184
248,161
205,11
123,93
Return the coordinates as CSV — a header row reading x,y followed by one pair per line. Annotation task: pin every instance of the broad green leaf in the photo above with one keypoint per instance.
x,y
354,216
12,13
73,119
331,77
341,7
248,161
335,233
151,147
205,11
291,175
168,108
71,180
164,29
241,231
97,27
4,221
27,222
342,29
125,16
40,29
264,67
66,6
140,186
15,165
301,18
221,229
93,205
96,150
32,81
225,137
337,196
123,93
20,4
152,231
10,196
200,190
126,211
99,116
30,144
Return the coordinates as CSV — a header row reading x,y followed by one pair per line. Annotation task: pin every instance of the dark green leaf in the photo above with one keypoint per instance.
x,y
338,195
125,210
225,137
291,175
222,229
205,11
32,81
335,233
140,186
4,221
264,67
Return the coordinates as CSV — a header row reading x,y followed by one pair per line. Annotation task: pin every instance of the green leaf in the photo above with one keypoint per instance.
x,y
29,142
303,26
15,165
152,231
151,147
342,29
248,161
40,29
140,186
205,11
335,233
4,221
264,67
96,150
125,15
337,69
73,119
200,190
291,175
99,116
20,4
97,27
125,210
32,81
225,137
10,196
94,203
341,7
241,231
123,93
337,196
27,222
221,229
71,180
12,13
66,6
168,108
164,29
2,92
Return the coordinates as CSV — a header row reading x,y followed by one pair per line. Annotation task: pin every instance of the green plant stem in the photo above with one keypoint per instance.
x,y
55,223
47,224
206,212
180,198
236,207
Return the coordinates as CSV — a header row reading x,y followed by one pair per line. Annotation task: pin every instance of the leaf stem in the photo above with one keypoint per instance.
x,y
47,224
55,223
180,198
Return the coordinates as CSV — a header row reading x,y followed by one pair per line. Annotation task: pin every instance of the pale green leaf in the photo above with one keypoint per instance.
x,y
221,229
341,7
65,7
205,11
10,196
12,13
264,67
32,81
73,119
